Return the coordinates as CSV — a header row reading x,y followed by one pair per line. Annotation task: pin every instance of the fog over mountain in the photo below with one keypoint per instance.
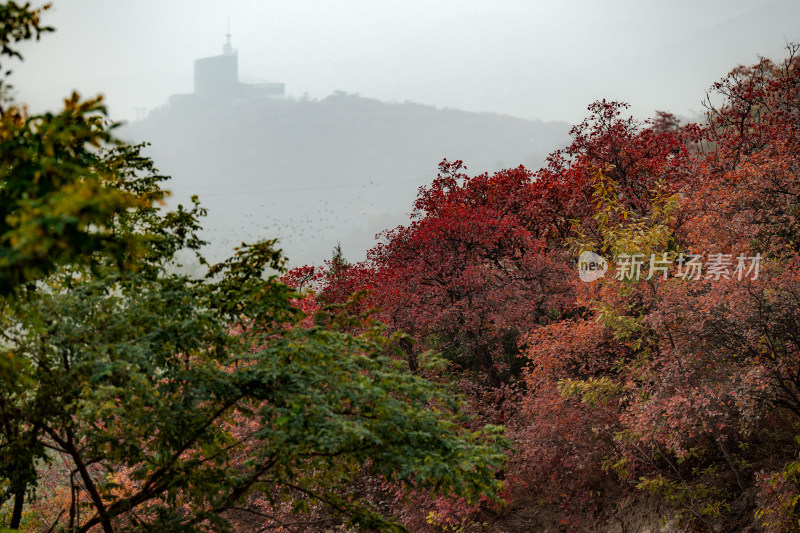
x,y
547,59
311,164
314,172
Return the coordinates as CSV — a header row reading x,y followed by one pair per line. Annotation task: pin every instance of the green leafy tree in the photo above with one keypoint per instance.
x,y
156,402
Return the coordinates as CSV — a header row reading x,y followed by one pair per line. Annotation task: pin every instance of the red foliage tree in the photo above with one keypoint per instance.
x,y
696,380
469,275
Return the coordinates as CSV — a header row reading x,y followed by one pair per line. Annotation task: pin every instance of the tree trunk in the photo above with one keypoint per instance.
x,y
19,501
408,348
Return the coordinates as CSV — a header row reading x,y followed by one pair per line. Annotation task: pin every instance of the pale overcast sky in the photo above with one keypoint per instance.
x,y
532,59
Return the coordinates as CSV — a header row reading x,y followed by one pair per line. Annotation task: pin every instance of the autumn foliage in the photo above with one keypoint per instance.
x,y
371,395
682,386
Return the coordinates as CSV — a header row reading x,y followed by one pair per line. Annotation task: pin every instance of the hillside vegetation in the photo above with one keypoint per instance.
x,y
672,379
608,343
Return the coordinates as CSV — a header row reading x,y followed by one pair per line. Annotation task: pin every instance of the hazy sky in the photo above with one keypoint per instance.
x,y
533,59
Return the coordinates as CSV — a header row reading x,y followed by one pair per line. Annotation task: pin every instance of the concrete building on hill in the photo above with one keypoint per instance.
x,y
216,79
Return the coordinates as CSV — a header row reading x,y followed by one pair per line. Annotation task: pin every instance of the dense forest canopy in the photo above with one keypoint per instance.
x,y
135,398
466,372
674,375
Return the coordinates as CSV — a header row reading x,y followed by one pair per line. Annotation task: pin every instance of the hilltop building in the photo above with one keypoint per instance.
x,y
216,79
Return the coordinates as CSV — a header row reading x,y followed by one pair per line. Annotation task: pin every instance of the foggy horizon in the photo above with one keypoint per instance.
x,y
398,85
542,60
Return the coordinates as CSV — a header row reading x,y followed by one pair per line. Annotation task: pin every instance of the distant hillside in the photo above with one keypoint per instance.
x,y
312,172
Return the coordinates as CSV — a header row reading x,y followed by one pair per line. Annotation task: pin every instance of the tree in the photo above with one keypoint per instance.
x,y
168,403
469,275
60,200
684,388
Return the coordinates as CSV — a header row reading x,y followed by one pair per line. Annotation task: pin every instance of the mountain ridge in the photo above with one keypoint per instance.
x,y
314,172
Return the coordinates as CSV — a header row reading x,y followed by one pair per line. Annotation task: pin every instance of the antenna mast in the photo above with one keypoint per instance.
x,y
227,48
